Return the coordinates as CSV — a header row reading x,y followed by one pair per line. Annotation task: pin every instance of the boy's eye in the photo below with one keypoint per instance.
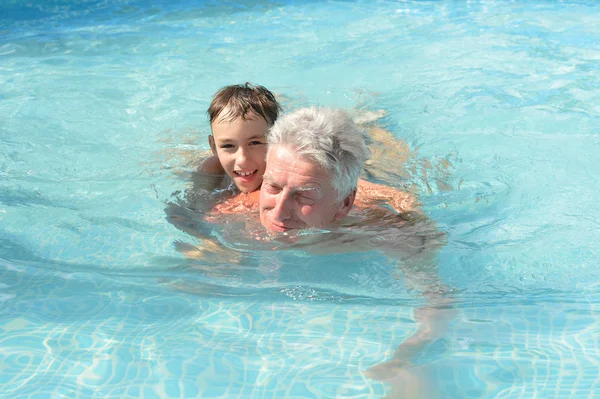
x,y
227,146
256,142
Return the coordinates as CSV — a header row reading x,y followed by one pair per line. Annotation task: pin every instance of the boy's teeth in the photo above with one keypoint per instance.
x,y
245,173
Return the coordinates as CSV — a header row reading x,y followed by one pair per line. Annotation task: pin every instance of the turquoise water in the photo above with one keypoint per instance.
x,y
102,106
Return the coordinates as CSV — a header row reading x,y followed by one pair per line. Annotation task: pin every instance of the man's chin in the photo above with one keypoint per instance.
x,y
278,230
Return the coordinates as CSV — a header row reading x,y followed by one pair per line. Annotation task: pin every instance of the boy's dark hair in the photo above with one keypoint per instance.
x,y
242,101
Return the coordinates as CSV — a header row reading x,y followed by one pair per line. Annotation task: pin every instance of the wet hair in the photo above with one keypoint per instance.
x,y
328,137
243,101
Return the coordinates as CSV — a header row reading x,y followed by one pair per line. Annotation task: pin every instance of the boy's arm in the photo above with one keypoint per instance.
x,y
371,194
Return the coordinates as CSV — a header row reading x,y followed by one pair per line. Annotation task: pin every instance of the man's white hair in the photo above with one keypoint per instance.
x,y
328,137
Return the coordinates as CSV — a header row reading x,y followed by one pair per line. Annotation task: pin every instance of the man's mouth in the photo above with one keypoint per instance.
x,y
279,228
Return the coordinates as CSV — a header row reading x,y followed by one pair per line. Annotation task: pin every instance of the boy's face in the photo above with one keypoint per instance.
x,y
241,148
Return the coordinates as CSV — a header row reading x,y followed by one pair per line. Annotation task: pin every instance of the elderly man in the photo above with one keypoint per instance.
x,y
314,160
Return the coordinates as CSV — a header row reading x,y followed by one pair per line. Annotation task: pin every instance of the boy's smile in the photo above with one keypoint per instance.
x,y
246,177
241,148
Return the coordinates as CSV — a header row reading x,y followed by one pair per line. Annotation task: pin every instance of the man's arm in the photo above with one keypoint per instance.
x,y
419,266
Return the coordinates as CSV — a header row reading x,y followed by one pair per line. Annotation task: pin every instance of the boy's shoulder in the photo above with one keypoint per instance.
x,y
211,165
209,176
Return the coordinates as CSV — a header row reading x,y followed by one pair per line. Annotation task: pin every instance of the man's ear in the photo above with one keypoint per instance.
x,y
211,143
346,205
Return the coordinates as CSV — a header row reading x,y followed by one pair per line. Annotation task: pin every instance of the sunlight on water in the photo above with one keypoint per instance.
x,y
492,110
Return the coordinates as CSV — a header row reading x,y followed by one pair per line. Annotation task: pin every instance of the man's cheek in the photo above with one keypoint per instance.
x,y
307,210
264,198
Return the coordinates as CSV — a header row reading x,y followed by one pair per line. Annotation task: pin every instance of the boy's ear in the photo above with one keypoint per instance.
x,y
211,143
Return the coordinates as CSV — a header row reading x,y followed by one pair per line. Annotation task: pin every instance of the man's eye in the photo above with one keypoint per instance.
x,y
272,189
226,146
303,200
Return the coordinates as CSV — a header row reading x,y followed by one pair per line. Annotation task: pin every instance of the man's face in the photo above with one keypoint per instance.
x,y
241,148
297,194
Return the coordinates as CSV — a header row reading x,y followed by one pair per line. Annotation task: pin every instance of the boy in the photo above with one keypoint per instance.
x,y
240,118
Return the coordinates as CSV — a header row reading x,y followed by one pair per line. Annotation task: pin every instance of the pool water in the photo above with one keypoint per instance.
x,y
102,114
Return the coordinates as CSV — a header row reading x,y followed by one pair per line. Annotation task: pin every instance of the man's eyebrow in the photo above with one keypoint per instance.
x,y
267,176
309,188
269,179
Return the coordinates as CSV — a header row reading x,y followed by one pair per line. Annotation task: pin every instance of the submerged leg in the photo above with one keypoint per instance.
x,y
407,381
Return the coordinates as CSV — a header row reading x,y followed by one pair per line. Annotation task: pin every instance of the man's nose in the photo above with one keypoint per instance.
x,y
283,207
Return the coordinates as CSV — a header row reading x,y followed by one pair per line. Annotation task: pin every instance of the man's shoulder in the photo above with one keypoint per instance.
x,y
373,194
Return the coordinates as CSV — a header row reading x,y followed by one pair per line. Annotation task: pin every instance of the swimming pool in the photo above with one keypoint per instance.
x,y
102,102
